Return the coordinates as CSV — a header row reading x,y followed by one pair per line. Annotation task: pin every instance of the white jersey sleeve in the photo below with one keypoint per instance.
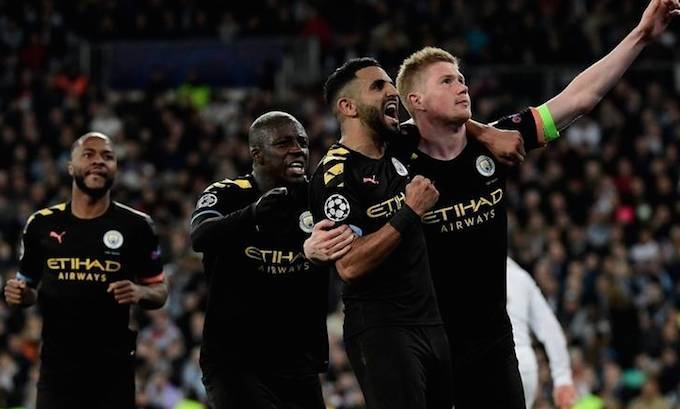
x,y
528,309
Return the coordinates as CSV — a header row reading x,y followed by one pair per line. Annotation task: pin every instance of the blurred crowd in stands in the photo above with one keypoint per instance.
x,y
595,218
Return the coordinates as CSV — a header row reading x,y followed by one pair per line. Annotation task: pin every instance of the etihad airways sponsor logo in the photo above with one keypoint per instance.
x,y
81,276
463,215
458,216
273,261
462,209
84,264
386,208
82,269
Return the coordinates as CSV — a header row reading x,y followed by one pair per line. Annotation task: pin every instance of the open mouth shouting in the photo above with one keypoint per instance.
x,y
391,111
296,168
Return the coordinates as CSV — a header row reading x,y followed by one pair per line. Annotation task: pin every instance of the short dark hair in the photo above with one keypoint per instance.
x,y
92,134
264,124
343,75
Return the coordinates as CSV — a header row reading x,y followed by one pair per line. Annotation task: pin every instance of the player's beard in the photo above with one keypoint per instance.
x,y
374,119
94,193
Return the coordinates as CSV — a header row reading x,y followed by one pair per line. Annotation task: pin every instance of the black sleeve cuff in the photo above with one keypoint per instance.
x,y
525,123
404,219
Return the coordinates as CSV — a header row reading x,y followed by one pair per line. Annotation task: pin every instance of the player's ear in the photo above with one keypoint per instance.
x,y
70,168
346,107
415,99
256,154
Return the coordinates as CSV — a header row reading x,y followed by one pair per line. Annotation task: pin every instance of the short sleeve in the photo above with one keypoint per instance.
x,y
333,195
31,254
214,202
148,265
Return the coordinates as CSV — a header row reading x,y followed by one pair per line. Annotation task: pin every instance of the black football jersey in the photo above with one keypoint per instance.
x,y
267,302
350,188
72,261
466,235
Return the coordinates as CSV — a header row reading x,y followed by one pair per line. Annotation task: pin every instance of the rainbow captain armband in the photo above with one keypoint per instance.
x,y
550,132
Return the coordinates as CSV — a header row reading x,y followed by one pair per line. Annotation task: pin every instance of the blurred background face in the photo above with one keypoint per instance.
x,y
285,153
445,94
93,166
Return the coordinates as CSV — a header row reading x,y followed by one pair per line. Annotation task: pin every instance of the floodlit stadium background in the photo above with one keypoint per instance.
x,y
595,217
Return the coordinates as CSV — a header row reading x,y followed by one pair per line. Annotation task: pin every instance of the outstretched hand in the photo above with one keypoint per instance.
x,y
657,16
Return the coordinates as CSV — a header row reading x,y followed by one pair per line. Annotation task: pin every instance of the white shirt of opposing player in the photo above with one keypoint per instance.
x,y
528,310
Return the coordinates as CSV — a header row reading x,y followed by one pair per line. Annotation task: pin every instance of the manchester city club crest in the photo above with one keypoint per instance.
x,y
306,222
401,169
485,165
113,239
336,207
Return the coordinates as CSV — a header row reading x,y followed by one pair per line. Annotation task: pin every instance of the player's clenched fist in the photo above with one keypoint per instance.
x,y
125,292
16,292
421,194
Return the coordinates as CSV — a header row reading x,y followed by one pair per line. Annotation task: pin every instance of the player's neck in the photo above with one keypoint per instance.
x,y
360,138
84,206
441,141
264,182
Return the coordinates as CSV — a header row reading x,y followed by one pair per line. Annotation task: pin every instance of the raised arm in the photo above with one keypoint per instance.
x,y
591,85
211,225
212,229
584,92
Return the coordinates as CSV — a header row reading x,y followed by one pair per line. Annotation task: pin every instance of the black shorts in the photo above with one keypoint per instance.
x,y
487,377
252,389
402,367
102,387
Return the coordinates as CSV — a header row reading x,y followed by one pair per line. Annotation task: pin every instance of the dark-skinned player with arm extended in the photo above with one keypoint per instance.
x,y
264,339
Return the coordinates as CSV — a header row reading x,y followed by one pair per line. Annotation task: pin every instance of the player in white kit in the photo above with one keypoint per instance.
x,y
529,310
